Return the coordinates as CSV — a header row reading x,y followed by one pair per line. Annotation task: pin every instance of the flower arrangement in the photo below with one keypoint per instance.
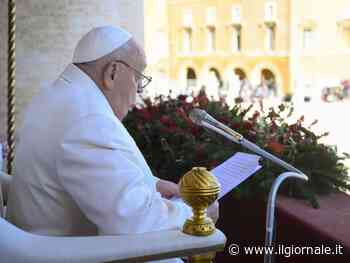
x,y
172,144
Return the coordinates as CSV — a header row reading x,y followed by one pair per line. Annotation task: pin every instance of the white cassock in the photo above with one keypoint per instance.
x,y
79,172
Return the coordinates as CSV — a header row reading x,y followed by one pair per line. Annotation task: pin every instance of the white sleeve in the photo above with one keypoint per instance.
x,y
97,167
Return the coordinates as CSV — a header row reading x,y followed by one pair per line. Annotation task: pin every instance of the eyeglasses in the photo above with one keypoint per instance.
x,y
141,79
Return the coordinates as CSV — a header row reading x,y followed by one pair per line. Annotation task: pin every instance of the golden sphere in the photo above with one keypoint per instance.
x,y
199,188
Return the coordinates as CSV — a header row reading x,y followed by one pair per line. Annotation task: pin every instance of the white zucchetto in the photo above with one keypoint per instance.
x,y
100,42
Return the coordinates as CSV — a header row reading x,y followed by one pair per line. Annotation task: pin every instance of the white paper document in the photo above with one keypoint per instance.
x,y
235,170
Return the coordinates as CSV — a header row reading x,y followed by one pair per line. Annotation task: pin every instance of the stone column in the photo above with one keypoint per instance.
x,y
47,32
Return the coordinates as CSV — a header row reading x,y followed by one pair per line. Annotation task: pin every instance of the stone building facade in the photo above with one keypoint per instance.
x,y
293,46
320,45
230,43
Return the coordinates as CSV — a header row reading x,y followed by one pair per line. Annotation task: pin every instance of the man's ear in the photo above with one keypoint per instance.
x,y
109,75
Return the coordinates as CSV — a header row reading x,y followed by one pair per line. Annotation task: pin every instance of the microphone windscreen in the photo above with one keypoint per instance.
x,y
197,116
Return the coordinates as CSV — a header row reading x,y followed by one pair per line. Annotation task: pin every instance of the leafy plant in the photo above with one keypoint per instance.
x,y
172,144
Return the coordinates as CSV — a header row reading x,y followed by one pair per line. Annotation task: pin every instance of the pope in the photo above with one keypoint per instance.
x,y
78,171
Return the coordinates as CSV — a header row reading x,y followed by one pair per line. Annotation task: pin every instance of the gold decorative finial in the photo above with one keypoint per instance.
x,y
199,189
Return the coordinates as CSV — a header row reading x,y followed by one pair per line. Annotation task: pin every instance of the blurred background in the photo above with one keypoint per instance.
x,y
255,50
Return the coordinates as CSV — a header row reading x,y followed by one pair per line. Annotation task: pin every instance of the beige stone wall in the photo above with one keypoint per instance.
x,y
47,32
254,55
326,62
253,24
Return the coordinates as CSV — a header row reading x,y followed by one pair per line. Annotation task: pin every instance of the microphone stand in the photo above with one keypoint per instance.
x,y
270,211
271,205
237,138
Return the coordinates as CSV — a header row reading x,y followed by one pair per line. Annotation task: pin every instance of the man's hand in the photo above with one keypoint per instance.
x,y
213,211
168,189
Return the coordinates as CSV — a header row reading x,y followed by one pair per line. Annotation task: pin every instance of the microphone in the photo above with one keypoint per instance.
x,y
202,118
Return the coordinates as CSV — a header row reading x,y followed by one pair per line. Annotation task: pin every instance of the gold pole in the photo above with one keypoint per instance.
x,y
11,82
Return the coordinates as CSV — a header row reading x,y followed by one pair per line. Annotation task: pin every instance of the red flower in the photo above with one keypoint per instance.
x,y
167,121
182,97
153,109
276,147
145,114
247,125
182,114
164,119
235,125
187,106
195,130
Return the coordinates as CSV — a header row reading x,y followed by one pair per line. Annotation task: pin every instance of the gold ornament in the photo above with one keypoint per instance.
x,y
199,189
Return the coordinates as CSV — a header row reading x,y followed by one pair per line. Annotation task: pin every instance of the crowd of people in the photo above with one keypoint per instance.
x,y
245,91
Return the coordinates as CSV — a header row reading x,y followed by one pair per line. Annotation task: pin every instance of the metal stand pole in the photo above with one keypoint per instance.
x,y
270,212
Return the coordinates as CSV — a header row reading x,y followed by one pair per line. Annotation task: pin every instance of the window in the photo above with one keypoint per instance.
x,y
187,18
187,42
211,16
211,39
236,15
308,35
237,38
271,38
270,11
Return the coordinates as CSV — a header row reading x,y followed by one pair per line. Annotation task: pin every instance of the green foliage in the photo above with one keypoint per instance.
x,y
172,145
